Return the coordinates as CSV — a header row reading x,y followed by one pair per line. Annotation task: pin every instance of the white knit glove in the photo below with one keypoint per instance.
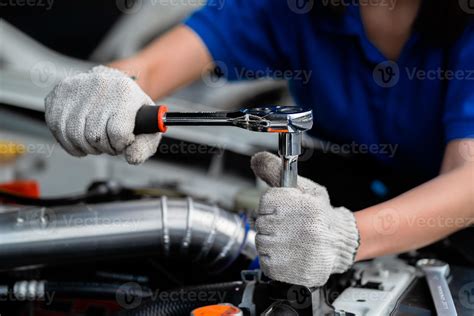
x,y
94,113
301,238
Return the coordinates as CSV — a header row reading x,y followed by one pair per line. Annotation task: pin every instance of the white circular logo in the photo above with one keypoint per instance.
x,y
43,74
42,219
217,77
466,295
386,221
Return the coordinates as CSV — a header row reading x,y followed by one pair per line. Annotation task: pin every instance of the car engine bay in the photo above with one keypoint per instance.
x,y
98,237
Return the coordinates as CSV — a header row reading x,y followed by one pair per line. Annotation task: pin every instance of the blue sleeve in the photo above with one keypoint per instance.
x,y
241,37
459,108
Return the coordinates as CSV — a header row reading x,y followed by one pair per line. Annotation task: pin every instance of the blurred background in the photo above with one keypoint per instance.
x,y
43,42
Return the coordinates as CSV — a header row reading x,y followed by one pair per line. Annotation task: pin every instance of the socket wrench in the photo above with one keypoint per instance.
x,y
289,121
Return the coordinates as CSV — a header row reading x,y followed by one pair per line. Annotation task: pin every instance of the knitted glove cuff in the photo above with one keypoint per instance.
x,y
347,239
101,69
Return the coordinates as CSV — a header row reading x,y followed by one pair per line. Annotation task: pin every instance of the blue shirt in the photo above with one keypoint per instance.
x,y
415,105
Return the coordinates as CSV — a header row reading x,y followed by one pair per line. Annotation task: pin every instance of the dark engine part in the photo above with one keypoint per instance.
x,y
187,299
253,296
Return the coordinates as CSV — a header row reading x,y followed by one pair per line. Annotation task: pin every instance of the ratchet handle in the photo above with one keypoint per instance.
x,y
150,119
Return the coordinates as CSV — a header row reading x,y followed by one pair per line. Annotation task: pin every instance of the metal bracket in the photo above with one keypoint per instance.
x,y
250,278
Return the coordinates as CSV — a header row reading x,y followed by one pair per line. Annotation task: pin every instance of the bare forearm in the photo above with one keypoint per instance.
x,y
419,217
170,62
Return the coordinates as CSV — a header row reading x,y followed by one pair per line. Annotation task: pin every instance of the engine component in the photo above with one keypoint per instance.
x,y
213,294
252,297
217,310
169,227
29,290
381,283
37,290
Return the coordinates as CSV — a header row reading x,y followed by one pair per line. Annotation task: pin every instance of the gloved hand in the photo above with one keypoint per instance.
x,y
94,113
301,238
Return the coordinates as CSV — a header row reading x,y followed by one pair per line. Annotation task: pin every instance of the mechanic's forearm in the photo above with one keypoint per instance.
x,y
419,217
174,60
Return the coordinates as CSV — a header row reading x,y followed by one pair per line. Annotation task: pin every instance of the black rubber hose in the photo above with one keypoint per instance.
x,y
189,299
108,291
94,290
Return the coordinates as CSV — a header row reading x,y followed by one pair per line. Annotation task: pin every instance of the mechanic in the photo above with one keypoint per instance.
x,y
366,61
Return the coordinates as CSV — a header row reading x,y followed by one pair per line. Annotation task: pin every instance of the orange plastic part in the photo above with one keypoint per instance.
x,y
272,130
161,114
217,310
27,188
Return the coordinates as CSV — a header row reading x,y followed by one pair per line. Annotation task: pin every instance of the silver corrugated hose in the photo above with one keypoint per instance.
x,y
167,227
